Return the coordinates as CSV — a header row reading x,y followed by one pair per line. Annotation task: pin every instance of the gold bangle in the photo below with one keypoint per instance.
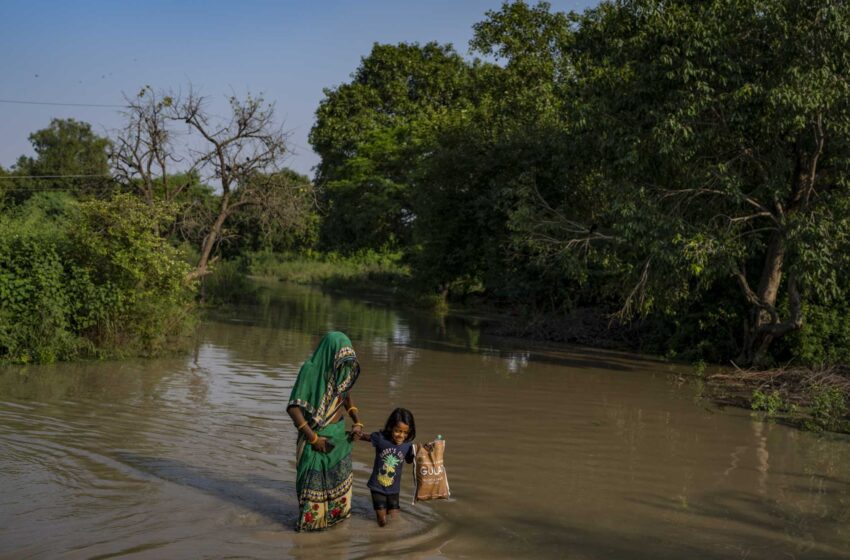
x,y
359,424
301,426
315,438
353,408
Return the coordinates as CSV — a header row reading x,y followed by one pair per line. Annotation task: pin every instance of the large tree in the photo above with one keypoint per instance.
x,y
371,134
68,156
719,133
509,134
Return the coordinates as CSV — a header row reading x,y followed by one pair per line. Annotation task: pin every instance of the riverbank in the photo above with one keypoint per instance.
x,y
362,270
366,272
811,398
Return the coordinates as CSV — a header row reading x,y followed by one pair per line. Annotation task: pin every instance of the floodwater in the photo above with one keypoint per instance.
x,y
551,452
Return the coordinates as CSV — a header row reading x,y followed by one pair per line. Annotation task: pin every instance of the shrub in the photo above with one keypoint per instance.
x,y
824,336
769,403
828,408
35,303
97,280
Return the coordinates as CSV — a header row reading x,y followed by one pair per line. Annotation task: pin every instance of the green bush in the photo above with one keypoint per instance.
x,y
828,409
95,279
769,403
35,303
824,336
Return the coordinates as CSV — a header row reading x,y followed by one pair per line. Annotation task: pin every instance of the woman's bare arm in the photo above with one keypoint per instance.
x,y
348,404
297,416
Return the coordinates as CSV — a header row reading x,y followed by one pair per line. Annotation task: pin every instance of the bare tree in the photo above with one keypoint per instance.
x,y
144,150
239,156
234,154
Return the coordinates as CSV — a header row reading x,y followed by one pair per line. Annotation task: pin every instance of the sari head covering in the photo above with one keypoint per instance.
x,y
323,480
325,379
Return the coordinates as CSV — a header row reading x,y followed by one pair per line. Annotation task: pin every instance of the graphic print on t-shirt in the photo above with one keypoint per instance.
x,y
389,462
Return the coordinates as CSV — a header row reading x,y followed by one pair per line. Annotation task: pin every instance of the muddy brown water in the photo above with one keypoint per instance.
x,y
551,452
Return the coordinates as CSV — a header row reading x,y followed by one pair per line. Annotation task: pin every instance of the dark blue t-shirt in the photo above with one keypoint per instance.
x,y
386,473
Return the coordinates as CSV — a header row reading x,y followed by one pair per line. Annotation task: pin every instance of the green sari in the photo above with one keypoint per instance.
x,y
324,480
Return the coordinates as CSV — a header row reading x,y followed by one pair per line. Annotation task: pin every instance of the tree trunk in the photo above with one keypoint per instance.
x,y
764,313
209,242
765,325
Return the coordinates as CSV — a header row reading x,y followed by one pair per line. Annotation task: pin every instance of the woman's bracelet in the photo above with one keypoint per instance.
x,y
359,424
354,408
301,426
315,438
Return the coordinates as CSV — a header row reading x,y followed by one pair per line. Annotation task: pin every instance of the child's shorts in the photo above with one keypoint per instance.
x,y
384,501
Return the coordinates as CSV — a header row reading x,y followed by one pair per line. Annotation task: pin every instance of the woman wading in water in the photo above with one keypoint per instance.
x,y
319,399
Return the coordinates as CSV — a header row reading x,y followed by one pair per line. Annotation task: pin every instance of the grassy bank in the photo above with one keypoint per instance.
x,y
367,271
363,270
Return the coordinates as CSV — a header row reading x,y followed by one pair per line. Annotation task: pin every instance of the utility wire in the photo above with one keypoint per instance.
x,y
19,102
40,189
15,177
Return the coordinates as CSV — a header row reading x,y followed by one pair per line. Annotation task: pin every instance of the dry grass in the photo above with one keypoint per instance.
x,y
794,383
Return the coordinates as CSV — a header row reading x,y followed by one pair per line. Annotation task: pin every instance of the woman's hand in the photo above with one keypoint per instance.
x,y
356,432
321,445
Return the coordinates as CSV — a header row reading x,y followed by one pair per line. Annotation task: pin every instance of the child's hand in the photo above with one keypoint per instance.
x,y
352,436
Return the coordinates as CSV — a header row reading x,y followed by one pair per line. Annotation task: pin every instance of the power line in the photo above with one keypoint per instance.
x,y
40,189
19,102
15,177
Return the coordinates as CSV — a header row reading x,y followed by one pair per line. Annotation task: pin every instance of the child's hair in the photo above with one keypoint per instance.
x,y
400,415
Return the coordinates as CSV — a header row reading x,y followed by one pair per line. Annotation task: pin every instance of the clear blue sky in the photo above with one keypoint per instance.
x,y
87,51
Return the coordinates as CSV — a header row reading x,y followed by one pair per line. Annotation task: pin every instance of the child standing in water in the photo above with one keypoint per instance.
x,y
393,445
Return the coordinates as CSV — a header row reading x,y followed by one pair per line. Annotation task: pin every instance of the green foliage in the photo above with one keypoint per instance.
x,y
228,284
145,292
34,302
290,224
371,133
770,403
700,114
699,368
90,279
824,337
5,186
491,155
364,268
682,163
828,409
684,129
66,147
533,85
